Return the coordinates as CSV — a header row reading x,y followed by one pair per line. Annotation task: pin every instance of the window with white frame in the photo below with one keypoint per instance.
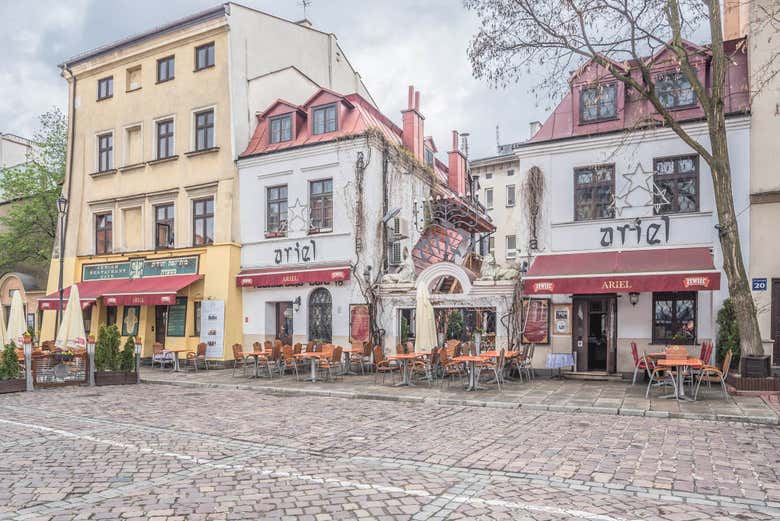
x,y
165,138
104,224
489,198
320,205
511,246
276,210
510,195
281,128
203,221
204,129
324,119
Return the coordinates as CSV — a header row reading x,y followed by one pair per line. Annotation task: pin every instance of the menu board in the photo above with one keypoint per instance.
x,y
212,327
536,319
177,317
359,323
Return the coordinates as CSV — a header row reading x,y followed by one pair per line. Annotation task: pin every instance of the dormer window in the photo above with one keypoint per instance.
x,y
429,156
281,128
324,119
674,90
598,103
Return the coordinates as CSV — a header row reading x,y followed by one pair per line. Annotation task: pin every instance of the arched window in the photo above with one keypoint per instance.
x,y
320,315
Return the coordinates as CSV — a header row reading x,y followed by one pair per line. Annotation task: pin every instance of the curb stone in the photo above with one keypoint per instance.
x,y
350,395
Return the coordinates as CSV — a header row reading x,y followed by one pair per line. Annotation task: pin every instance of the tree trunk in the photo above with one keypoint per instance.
x,y
733,265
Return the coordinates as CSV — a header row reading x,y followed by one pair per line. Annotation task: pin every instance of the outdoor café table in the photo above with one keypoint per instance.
x,y
405,374
680,365
313,357
346,355
256,355
176,351
473,362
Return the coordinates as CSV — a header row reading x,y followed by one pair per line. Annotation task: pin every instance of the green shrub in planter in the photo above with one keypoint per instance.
x,y
127,356
9,365
728,333
107,349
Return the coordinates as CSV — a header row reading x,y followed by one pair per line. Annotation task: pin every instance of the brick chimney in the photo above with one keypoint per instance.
x,y
413,135
456,178
735,18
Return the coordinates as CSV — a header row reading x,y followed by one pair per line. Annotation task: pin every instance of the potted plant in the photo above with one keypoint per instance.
x,y
11,377
114,367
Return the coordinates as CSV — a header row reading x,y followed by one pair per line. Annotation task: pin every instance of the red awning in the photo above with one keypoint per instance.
x,y
147,291
672,269
276,277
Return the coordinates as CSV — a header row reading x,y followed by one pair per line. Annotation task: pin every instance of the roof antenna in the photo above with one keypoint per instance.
x,y
305,4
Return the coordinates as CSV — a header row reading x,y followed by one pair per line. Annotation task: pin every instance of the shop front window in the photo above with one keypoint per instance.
x,y
320,315
674,318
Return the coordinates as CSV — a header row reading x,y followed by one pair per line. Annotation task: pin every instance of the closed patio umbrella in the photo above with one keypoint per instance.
x,y
3,332
71,333
17,325
425,327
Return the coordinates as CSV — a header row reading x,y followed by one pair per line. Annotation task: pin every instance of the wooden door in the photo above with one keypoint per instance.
x,y
579,332
776,321
160,323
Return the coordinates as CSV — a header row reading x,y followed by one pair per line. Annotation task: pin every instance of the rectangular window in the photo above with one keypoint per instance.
x,y
674,90
164,220
204,56
111,315
677,179
324,119
594,187
489,175
510,173
105,152
196,321
492,245
276,209
133,78
321,205
510,195
203,222
598,103
429,157
489,198
674,318
281,128
177,318
165,68
204,130
511,246
103,233
105,88
164,139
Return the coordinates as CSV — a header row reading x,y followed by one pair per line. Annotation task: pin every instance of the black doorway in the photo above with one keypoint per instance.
x,y
594,333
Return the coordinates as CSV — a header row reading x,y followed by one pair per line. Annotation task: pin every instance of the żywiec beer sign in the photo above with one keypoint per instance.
x,y
139,268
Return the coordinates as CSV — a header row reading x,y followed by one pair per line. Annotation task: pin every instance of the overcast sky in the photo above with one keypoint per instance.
x,y
391,44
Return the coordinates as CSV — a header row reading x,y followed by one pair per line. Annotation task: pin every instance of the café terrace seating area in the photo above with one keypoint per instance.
x,y
672,373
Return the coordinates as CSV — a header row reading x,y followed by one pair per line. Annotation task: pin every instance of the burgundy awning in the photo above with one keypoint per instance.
x,y
671,269
276,277
147,291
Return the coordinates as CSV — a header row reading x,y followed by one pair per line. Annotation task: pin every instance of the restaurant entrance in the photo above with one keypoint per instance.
x,y
284,322
594,337
160,323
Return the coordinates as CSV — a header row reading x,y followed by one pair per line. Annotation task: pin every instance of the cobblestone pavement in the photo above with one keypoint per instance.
x,y
164,452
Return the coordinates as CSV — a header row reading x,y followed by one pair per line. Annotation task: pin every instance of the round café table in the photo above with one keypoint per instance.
x,y
346,355
256,355
406,375
314,358
680,365
473,362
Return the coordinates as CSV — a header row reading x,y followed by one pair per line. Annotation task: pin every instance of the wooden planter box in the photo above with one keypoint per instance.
x,y
115,378
755,366
13,386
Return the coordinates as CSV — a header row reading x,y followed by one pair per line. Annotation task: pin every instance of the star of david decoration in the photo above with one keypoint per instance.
x,y
633,186
657,194
297,216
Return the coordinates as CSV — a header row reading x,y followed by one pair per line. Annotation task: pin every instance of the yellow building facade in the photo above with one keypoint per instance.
x,y
155,123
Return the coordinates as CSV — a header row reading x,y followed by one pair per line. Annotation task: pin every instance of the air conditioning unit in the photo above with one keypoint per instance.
x,y
395,254
400,228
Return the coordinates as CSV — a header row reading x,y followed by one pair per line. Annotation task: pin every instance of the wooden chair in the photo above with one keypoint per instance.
x,y
424,368
257,346
383,366
239,358
449,369
309,346
198,357
331,363
400,349
496,368
288,360
297,348
451,346
711,373
358,357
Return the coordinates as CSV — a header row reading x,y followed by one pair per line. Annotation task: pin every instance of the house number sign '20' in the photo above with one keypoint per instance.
x,y
300,252
652,234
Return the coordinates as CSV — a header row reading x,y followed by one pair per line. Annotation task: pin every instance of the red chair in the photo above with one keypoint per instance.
x,y
703,352
639,363
708,354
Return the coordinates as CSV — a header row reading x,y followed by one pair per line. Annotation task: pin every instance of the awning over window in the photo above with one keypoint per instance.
x,y
671,269
278,277
147,291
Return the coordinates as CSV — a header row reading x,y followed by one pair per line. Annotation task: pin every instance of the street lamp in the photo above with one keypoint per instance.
x,y
62,208
138,346
91,354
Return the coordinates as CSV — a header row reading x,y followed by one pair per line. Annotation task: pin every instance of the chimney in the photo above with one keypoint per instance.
x,y
735,18
456,178
413,135
535,126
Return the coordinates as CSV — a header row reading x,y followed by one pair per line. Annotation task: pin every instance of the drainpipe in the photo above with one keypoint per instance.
x,y
69,173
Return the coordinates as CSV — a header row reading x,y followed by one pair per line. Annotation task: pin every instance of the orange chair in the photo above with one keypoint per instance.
x,y
239,357
383,366
711,373
198,357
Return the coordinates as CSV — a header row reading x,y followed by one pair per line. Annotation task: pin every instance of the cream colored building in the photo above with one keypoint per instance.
x,y
155,124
